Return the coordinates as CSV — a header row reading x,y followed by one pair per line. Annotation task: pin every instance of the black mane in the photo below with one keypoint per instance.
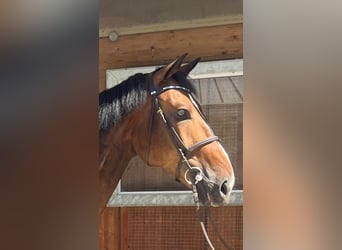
x,y
117,102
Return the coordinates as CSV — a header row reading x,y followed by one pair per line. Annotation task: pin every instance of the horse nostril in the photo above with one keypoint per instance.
x,y
224,189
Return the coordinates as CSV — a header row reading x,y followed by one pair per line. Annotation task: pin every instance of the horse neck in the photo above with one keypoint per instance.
x,y
116,150
115,153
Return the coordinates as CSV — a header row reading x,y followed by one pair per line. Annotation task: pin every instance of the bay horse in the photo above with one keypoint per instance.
x,y
157,117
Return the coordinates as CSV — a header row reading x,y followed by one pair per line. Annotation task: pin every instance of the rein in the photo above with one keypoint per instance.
x,y
193,175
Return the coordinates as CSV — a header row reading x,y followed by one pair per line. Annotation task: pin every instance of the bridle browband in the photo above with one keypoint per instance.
x,y
183,151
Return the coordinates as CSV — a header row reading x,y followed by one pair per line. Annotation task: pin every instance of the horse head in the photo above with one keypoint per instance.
x,y
172,133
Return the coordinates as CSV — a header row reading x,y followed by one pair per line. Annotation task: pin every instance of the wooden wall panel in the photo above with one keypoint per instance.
x,y
109,229
124,228
209,43
166,228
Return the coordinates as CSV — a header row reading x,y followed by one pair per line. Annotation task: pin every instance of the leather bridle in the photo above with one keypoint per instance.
x,y
193,174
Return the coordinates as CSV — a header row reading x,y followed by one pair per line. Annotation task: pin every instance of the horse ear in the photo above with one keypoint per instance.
x,y
189,66
169,69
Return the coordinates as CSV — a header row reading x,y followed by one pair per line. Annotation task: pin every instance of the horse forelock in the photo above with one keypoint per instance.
x,y
182,80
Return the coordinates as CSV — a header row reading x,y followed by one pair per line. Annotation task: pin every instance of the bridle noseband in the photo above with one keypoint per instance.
x,y
183,151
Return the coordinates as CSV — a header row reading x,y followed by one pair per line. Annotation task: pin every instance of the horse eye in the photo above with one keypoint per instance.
x,y
183,114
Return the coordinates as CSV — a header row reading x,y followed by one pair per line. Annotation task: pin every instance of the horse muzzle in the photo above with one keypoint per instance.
x,y
210,193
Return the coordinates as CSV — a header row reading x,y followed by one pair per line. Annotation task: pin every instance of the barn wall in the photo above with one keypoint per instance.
x,y
156,228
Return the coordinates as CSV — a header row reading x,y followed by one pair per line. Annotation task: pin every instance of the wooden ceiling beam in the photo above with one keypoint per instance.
x,y
157,48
